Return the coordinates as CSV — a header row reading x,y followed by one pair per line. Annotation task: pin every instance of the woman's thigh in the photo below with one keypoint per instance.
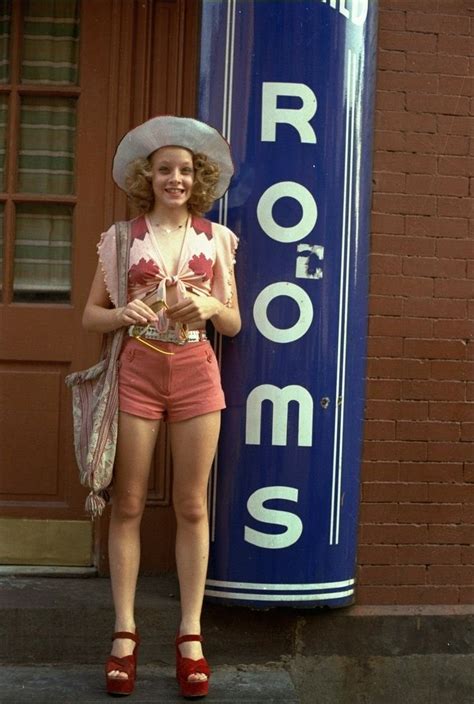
x,y
193,446
135,447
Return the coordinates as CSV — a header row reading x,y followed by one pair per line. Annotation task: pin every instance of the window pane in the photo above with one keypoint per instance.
x,y
5,13
3,136
50,42
42,269
47,137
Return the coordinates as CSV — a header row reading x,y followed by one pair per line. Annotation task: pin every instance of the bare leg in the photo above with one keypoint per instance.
x,y
136,442
193,445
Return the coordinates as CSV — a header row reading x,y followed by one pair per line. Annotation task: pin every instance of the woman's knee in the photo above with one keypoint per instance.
x,y
128,507
190,509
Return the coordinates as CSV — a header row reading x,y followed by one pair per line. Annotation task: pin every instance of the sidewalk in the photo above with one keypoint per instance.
x,y
55,635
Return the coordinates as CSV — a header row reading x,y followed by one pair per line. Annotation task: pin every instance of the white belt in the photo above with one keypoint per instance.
x,y
151,333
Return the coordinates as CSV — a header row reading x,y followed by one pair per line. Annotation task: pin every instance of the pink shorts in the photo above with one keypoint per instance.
x,y
177,387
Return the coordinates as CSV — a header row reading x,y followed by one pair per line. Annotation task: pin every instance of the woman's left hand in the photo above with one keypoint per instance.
x,y
194,310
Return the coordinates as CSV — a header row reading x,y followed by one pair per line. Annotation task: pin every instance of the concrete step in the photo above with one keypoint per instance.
x,y
84,684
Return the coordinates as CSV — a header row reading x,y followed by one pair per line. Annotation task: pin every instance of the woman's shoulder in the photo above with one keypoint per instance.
x,y
212,229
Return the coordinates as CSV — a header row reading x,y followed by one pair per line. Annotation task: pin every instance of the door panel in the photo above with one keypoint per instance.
x,y
64,105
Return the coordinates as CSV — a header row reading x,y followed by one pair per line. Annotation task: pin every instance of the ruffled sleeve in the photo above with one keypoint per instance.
x,y
226,247
107,251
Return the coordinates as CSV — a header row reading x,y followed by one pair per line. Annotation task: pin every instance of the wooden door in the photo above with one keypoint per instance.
x,y
77,76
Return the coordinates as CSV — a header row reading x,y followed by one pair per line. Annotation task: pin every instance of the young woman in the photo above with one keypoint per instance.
x,y
180,276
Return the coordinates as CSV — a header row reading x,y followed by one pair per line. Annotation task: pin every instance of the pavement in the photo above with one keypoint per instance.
x,y
55,635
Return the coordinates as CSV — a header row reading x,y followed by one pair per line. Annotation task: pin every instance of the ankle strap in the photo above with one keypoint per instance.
x,y
125,634
184,639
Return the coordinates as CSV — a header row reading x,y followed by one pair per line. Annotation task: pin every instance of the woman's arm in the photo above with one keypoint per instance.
x,y
100,316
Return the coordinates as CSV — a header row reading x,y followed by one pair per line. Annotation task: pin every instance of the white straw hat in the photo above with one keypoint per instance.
x,y
166,131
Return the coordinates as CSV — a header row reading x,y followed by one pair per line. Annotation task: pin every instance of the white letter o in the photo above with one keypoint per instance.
x,y
287,189
301,298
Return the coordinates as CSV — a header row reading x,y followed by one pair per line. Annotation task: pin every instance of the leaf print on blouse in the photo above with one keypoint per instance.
x,y
143,272
202,226
201,266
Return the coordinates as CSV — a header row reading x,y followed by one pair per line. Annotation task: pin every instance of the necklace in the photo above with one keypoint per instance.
x,y
168,231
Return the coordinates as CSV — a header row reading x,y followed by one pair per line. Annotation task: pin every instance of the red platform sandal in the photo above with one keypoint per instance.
x,y
186,667
117,685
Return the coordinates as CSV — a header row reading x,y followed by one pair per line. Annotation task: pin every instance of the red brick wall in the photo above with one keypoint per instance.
x,y
418,465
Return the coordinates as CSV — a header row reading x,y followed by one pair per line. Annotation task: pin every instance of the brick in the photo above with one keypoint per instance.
x,y
438,185
429,513
455,248
399,244
385,264
435,23
449,329
451,574
450,411
449,534
381,471
429,554
389,100
451,369
383,388
422,63
385,305
391,20
402,162
449,451
378,513
416,410
402,81
388,140
437,104
376,595
468,514
407,41
385,347
396,534
448,124
467,555
406,121
388,223
384,182
395,326
460,46
433,308
451,493
466,595
391,60
427,594
467,432
453,288
431,472
434,349
470,269
468,472
455,165
379,430
425,430
378,555
452,65
436,144
449,206
433,266
433,391
388,492
401,286
392,574
456,85
405,203
385,368
393,450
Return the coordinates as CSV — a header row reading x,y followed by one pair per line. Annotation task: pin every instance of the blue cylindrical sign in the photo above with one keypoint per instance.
x,y
291,85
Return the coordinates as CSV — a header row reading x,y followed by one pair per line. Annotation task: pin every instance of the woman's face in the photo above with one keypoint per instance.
x,y
172,176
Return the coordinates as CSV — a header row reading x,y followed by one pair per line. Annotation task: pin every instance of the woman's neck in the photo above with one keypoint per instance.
x,y
168,219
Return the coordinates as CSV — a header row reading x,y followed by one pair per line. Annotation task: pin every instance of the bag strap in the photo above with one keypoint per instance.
x,y
122,239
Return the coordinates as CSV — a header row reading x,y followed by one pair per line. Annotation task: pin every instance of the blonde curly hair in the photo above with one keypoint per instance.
x,y
140,191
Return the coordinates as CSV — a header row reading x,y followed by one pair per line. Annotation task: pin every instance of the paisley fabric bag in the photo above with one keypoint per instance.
x,y
95,400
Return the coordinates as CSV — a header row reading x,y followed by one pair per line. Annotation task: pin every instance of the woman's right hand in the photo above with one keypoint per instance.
x,y
136,313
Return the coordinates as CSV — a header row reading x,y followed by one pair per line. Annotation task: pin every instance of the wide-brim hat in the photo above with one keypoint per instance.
x,y
167,131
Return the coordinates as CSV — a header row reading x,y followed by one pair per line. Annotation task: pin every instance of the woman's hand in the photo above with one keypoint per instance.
x,y
135,313
194,310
